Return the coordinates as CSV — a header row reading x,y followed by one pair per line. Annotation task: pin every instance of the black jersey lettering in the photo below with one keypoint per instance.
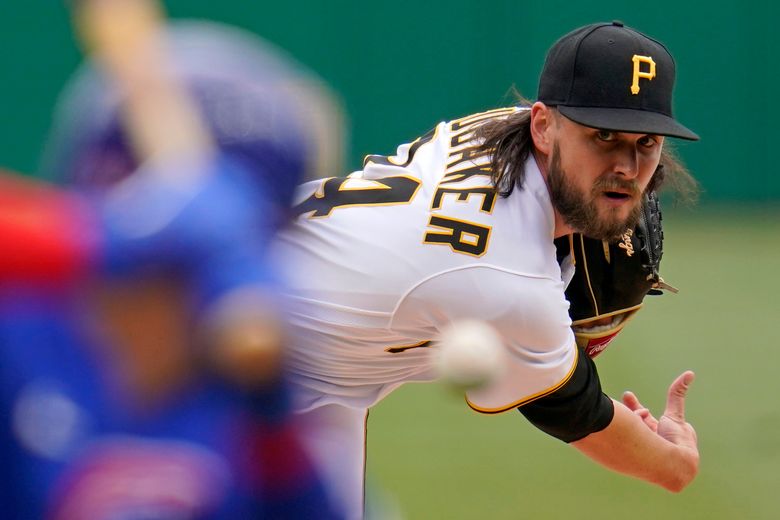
x,y
473,119
461,235
488,194
467,154
466,173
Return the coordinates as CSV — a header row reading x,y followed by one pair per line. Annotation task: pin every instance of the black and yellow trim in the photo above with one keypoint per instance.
x,y
587,275
404,348
365,458
470,154
392,160
334,193
531,398
466,173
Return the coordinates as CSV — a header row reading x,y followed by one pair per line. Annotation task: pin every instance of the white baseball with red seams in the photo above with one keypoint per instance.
x,y
470,354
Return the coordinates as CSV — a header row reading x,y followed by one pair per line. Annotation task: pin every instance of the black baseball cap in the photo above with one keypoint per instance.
x,y
612,77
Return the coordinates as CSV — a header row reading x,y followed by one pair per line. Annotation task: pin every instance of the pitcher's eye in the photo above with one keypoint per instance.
x,y
648,141
605,135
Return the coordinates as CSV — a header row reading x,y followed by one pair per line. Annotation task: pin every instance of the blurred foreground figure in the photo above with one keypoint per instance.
x,y
141,337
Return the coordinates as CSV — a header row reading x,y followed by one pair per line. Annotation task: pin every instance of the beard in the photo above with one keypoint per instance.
x,y
580,210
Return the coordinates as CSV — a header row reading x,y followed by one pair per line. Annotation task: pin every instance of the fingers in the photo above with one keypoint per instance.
x,y
675,401
632,403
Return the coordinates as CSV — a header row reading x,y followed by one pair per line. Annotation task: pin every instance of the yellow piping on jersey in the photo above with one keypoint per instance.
x,y
414,146
530,398
587,275
571,249
365,458
373,184
403,348
320,191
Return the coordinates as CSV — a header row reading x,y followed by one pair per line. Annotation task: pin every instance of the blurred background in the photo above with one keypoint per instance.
x,y
402,66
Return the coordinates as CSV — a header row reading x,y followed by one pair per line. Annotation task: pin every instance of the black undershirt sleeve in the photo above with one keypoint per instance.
x,y
576,409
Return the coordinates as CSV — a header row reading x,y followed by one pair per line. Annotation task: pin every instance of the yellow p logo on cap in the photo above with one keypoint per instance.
x,y
639,73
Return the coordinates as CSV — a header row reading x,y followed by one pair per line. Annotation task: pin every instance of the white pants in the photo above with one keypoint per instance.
x,y
336,439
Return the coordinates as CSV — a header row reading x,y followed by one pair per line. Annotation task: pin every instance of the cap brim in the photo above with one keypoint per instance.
x,y
627,120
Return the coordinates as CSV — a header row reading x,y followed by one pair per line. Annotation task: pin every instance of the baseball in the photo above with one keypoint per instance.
x,y
470,354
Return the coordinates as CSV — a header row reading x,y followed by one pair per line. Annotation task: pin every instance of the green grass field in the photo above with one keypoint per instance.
x,y
431,457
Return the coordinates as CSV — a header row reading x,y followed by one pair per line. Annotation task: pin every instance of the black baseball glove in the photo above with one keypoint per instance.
x,y
611,279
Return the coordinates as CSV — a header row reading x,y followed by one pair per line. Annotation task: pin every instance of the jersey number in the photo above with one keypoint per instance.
x,y
339,192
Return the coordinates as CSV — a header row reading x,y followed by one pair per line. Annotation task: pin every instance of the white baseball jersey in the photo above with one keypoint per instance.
x,y
380,261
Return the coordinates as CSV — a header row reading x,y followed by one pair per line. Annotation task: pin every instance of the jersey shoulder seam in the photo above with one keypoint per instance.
x,y
403,296
341,307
